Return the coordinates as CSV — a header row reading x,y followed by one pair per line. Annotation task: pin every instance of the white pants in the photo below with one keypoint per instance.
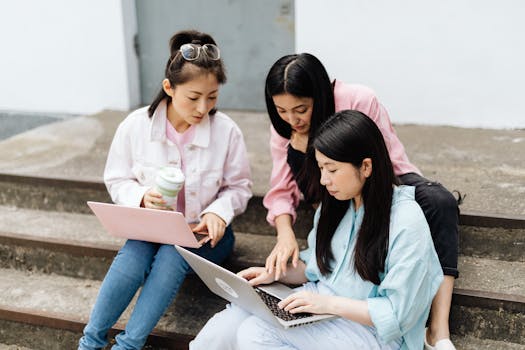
x,y
236,329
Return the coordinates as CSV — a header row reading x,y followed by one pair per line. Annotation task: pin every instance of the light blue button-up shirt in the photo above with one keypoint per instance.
x,y
400,304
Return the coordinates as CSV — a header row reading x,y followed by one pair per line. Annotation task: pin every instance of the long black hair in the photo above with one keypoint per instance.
x,y
350,136
301,75
175,70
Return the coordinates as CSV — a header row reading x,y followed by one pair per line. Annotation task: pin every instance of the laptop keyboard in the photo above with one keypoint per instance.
x,y
272,302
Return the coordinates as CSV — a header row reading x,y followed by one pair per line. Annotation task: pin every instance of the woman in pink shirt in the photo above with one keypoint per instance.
x,y
182,129
299,98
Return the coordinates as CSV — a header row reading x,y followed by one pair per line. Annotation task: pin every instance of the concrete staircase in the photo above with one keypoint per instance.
x,y
54,253
52,262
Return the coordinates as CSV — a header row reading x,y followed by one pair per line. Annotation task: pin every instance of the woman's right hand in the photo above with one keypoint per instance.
x,y
285,248
153,200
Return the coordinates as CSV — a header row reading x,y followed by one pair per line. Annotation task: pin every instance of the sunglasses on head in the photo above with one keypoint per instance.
x,y
190,52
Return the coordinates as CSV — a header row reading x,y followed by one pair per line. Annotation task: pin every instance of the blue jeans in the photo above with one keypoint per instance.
x,y
160,270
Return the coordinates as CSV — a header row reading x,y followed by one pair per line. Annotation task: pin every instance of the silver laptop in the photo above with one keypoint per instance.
x,y
151,225
260,301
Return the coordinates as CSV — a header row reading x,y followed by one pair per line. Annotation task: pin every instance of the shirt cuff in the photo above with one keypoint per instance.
x,y
305,255
131,197
280,209
217,208
385,322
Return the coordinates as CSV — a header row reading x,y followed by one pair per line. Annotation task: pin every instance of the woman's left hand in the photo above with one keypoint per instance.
x,y
214,225
304,301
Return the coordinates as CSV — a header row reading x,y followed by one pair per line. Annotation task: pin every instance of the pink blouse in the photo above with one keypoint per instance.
x,y
284,195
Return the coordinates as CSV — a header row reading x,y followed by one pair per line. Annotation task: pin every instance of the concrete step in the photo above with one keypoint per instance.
x,y
472,343
70,195
54,309
59,339
67,243
76,245
483,236
484,164
58,308
13,347
92,261
489,299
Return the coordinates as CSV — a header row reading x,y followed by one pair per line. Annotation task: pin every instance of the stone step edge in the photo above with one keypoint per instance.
x,y
73,247
77,248
469,218
65,322
497,243
489,300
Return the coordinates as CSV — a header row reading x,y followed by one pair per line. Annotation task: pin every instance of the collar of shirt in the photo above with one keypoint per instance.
x,y
158,127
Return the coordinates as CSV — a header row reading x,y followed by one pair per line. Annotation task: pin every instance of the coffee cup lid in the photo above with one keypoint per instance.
x,y
172,174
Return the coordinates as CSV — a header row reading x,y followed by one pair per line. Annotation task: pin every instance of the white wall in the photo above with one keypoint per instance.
x,y
430,62
447,62
67,56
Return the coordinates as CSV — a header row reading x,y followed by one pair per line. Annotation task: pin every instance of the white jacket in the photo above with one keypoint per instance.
x,y
217,170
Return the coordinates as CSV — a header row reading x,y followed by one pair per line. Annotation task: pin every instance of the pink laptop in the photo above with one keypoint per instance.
x,y
152,225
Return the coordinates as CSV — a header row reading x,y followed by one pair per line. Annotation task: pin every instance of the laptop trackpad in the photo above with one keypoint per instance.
x,y
278,290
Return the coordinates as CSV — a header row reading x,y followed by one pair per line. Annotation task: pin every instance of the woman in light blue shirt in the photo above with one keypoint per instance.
x,y
370,257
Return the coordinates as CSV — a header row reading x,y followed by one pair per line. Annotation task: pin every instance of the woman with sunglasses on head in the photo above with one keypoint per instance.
x,y
299,98
370,257
182,129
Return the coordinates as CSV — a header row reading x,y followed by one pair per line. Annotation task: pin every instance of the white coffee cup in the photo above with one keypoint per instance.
x,y
168,182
